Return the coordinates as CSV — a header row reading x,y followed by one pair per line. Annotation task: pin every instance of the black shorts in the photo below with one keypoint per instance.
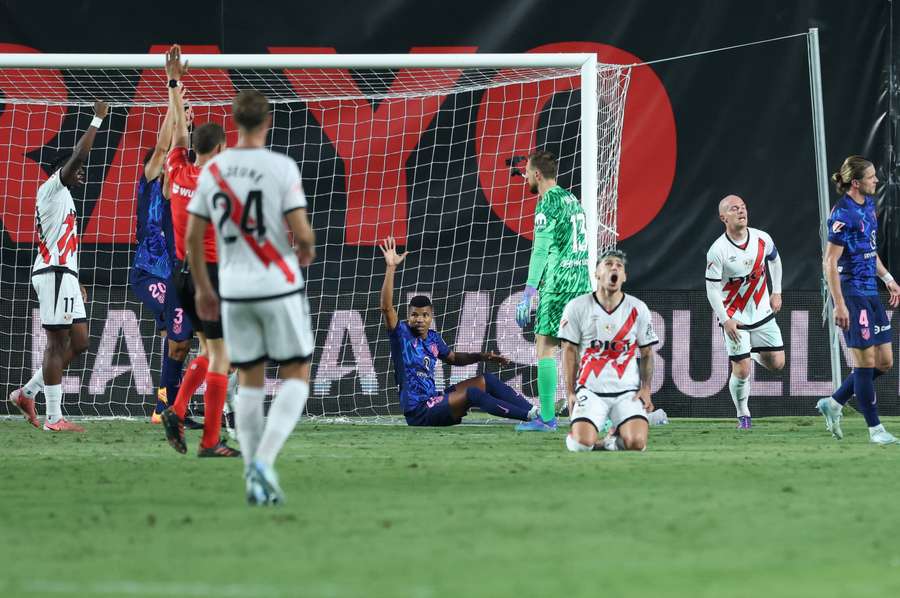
x,y
184,286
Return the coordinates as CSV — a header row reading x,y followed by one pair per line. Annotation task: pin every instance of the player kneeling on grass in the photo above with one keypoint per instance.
x,y
414,351
603,332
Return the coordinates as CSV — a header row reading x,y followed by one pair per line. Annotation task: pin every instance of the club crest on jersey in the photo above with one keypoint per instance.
x,y
434,350
837,226
748,262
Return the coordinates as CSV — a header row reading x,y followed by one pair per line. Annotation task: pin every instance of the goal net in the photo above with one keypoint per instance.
x,y
427,148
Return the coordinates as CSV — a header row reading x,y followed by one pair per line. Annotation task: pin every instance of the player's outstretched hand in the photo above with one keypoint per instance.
x,y
207,305
101,109
775,302
894,289
389,249
643,395
495,357
175,69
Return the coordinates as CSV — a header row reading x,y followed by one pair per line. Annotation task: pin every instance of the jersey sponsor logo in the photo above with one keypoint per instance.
x,y
880,329
837,226
182,190
617,352
540,221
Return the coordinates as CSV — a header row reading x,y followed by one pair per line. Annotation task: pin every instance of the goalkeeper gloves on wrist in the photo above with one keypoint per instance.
x,y
523,309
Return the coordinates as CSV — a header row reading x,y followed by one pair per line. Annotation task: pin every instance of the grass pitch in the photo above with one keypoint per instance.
x,y
783,510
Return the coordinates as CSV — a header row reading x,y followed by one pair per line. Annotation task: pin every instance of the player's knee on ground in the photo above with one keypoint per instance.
x,y
634,442
576,447
178,350
583,433
634,434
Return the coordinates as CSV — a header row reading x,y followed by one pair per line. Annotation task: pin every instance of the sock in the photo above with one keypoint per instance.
x,y
35,385
547,387
865,395
620,444
249,420
495,406
575,446
845,391
196,372
53,394
497,389
170,377
283,416
534,413
232,389
213,402
740,391
163,376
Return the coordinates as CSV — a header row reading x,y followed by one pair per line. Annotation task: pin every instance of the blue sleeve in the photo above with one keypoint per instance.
x,y
140,231
443,349
838,226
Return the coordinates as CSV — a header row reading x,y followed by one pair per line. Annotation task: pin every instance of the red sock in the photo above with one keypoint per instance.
x,y
192,380
213,402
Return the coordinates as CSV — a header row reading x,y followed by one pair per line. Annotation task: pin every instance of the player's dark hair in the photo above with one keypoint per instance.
x,y
206,137
249,109
545,163
420,301
59,161
853,168
616,253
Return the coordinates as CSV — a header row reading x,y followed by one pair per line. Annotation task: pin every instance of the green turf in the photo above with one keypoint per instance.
x,y
783,510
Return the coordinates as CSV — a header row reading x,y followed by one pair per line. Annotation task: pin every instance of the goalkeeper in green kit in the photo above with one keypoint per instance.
x,y
557,273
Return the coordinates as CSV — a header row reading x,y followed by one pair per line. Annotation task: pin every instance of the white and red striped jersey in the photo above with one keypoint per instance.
x,y
608,341
245,193
741,270
57,227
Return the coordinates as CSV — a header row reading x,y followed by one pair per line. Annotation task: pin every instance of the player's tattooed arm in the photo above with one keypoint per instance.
x,y
646,372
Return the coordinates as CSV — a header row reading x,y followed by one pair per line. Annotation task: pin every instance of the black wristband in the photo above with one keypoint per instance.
x,y
173,83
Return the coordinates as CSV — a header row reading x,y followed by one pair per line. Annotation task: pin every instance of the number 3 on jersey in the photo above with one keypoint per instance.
x,y
579,234
249,226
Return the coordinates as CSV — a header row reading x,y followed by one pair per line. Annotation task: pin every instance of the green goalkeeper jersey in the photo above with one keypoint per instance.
x,y
559,257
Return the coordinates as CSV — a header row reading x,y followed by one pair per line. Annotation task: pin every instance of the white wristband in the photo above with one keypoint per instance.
x,y
887,278
96,122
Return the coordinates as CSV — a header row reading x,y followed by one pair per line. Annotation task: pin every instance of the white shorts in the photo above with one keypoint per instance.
x,y
596,409
59,295
766,337
276,329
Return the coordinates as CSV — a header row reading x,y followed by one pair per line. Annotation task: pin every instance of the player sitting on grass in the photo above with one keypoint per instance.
x,y
603,332
414,350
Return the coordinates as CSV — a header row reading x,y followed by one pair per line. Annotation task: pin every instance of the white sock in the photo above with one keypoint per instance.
x,y
283,416
535,411
35,385
875,429
575,446
249,420
53,394
231,390
740,393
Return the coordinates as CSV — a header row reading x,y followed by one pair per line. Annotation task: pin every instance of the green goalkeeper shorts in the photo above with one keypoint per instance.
x,y
549,312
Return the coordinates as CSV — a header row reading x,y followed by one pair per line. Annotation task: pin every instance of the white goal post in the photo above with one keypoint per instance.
x,y
469,111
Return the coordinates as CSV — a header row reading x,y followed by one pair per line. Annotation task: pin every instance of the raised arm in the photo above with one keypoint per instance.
x,y
391,260
833,253
175,70
68,174
153,167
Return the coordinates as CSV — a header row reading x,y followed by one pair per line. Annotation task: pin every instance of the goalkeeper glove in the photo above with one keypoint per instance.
x,y
523,309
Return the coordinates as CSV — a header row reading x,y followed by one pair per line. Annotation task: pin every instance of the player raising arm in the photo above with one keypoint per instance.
x,y
851,266
602,333
415,348
248,193
558,270
736,287
55,280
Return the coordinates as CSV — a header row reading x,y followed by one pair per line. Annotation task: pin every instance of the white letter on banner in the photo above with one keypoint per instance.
x,y
70,384
683,350
801,385
659,364
350,322
473,322
124,321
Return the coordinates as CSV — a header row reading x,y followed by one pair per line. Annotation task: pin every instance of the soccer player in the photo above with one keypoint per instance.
x,y
248,193
851,265
737,289
603,333
558,272
415,349
152,265
55,280
212,364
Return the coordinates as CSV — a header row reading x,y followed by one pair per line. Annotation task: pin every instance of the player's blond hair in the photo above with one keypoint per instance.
x,y
250,109
853,168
